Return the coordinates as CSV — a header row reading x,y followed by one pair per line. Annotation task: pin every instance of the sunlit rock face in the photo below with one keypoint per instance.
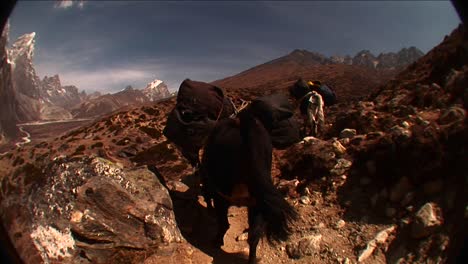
x,y
21,55
36,99
156,90
86,209
64,96
7,98
26,83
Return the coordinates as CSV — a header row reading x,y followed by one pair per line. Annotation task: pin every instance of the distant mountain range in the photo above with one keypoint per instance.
x,y
390,60
48,99
351,77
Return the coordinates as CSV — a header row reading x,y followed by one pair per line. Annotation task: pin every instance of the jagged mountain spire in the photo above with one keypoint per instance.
x,y
156,90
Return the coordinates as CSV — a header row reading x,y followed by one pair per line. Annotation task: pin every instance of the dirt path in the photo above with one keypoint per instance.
x,y
340,241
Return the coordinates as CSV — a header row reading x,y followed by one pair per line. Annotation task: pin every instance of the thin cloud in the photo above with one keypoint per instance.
x,y
66,4
111,79
106,80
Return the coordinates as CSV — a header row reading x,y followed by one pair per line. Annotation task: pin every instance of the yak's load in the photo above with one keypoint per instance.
x,y
200,105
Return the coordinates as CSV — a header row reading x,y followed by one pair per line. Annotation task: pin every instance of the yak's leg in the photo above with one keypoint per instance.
x,y
221,208
305,126
314,132
311,120
256,227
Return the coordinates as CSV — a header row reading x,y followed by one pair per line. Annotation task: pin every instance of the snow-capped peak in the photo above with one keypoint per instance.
x,y
24,46
156,90
153,84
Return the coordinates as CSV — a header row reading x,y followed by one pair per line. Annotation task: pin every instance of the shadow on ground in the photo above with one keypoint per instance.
x,y
198,226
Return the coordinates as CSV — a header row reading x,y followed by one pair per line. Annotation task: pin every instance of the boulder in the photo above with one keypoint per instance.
x,y
451,115
427,219
306,246
379,239
81,210
347,133
341,167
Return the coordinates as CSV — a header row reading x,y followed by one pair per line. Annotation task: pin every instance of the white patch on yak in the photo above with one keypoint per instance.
x,y
52,243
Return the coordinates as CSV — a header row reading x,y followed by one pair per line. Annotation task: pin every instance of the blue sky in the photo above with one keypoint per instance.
x,y
106,45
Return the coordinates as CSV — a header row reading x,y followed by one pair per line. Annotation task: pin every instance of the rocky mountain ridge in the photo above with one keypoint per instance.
x,y
389,60
48,99
128,97
8,117
52,91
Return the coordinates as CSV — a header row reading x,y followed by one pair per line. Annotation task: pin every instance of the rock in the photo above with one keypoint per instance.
x,y
379,239
400,189
75,210
309,140
366,104
400,132
344,141
338,148
405,124
348,133
341,167
288,187
456,84
242,237
327,156
435,86
306,246
382,236
374,135
319,226
405,221
305,200
451,115
177,186
421,121
340,224
426,220
128,152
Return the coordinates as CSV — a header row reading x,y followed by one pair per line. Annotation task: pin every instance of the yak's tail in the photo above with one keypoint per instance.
x,y
277,213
